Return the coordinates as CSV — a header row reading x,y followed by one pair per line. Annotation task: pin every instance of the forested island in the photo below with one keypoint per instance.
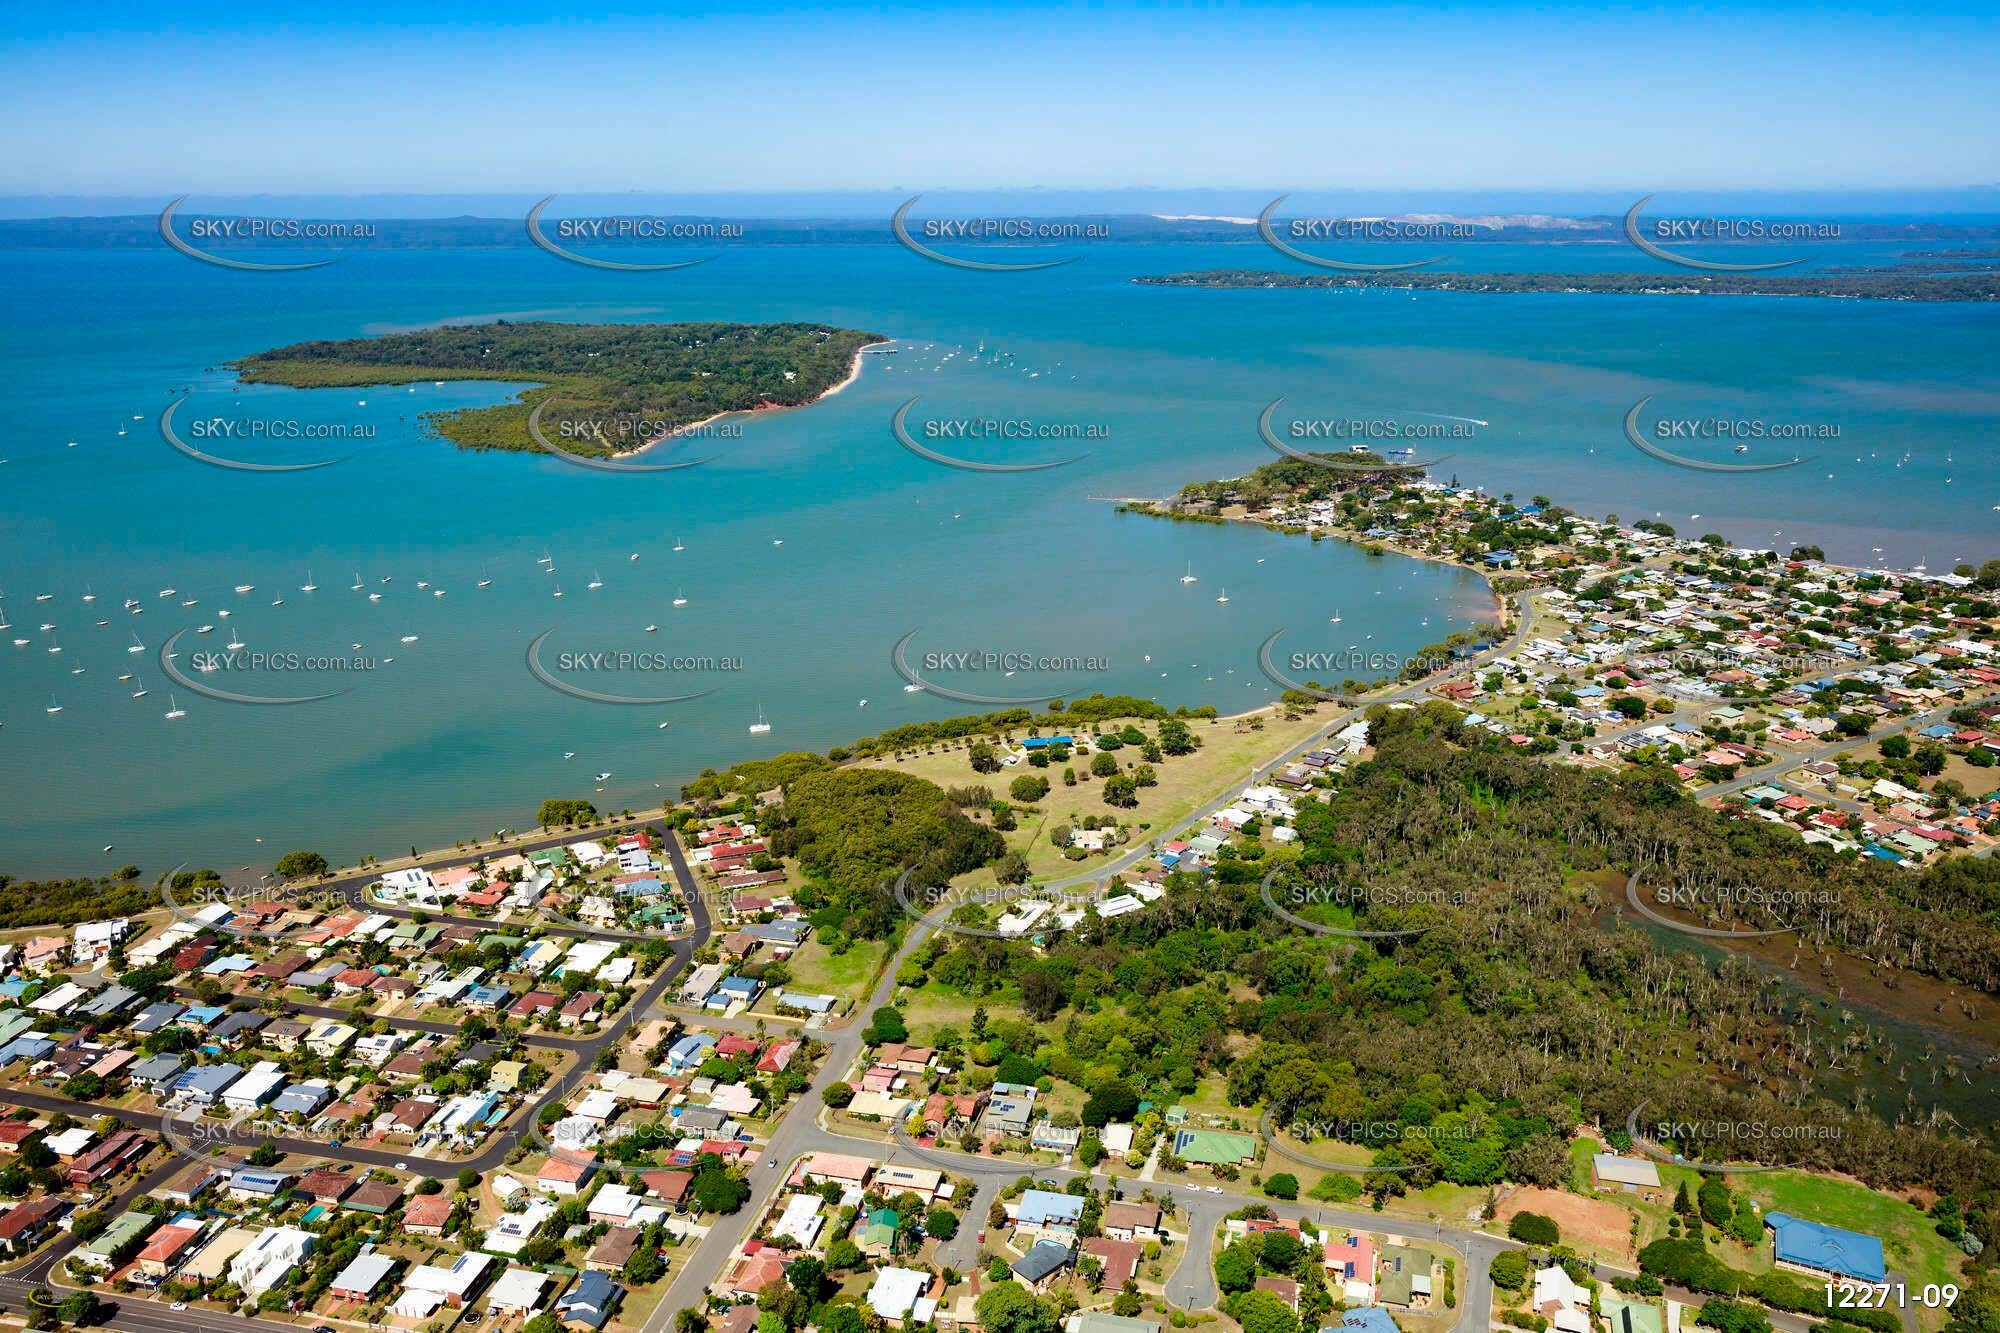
x,y
1884,284
616,387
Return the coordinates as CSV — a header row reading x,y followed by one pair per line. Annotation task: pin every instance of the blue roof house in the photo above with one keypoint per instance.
x,y
1813,1247
1045,1208
1366,1319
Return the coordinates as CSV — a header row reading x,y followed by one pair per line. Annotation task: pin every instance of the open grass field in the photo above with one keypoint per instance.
x,y
850,974
1911,1244
1229,749
933,1006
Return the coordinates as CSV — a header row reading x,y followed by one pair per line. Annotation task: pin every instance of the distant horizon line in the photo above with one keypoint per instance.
x,y
874,201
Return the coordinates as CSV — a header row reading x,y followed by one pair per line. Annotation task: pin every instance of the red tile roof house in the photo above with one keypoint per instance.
x,y
426,1214
191,956
114,1154
1119,1257
672,1186
355,980
779,1056
324,1185
733,1045
534,1004
580,1004
166,1250
1132,1221
276,969
1283,1288
411,1115
565,1172
374,1196
906,1059
14,1133
761,1267
22,1226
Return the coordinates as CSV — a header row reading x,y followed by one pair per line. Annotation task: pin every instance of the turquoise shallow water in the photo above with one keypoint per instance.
x,y
455,737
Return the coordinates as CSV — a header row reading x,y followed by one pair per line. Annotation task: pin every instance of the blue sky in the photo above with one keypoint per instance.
x,y
496,98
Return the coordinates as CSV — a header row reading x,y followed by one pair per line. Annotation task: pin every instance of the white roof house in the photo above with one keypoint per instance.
x,y
1554,1285
519,1289
364,1274
514,1230
586,956
896,1291
456,1281
801,1220
1611,1169
264,1081
412,885
265,1261
70,1142
59,999
615,1203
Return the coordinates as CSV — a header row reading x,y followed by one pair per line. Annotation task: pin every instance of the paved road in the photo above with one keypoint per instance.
x,y
1404,693
800,1132
698,1267
1795,758
133,1313
142,1316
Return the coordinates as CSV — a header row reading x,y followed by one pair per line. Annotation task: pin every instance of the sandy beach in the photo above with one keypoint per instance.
x,y
853,374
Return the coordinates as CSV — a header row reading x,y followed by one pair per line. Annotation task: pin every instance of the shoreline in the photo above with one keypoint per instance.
x,y
853,374
1153,508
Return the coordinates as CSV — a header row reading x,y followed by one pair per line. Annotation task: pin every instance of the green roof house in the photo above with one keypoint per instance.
x,y
1405,1278
880,1233
1631,1316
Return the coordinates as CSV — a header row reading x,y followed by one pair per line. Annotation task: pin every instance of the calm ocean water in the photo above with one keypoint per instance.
x,y
455,737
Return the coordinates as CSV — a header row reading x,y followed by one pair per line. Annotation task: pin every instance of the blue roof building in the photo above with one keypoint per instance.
x,y
302,1099
1044,1208
1366,1319
1821,1249
156,1016
1044,742
26,1047
591,1301
689,1051
732,989
487,997
206,1083
1042,1262
157,1072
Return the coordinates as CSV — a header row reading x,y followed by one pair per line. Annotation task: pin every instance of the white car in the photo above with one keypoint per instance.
x,y
1214,1189
178,1305
1193,1189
